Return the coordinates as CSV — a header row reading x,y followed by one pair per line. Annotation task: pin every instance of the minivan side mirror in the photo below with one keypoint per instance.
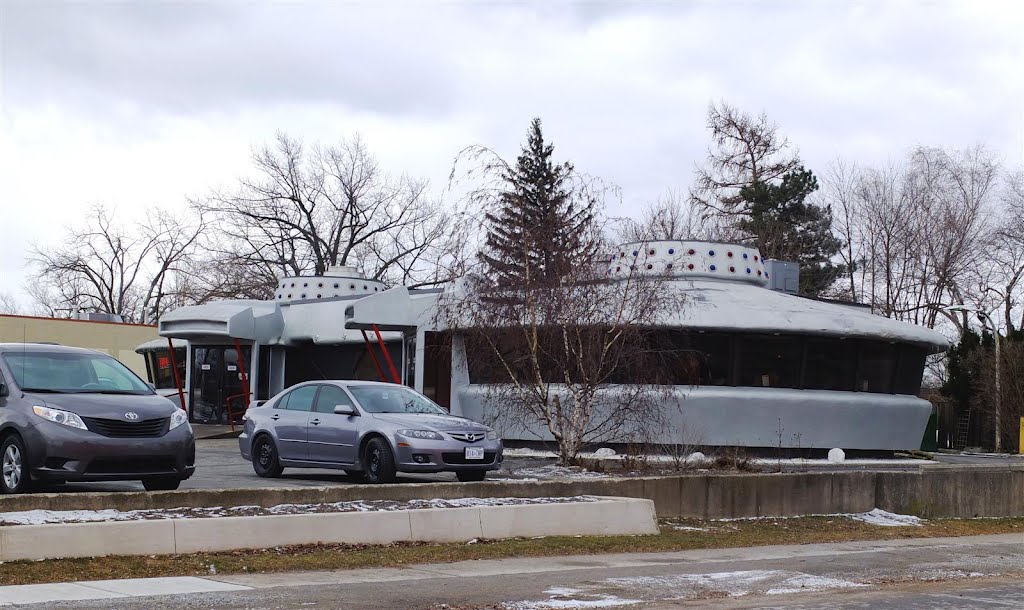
x,y
344,410
4,392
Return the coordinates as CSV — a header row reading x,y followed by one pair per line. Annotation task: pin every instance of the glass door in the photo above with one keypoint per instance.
x,y
217,384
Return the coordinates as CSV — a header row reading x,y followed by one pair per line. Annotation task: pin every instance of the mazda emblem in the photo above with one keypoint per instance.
x,y
130,415
471,437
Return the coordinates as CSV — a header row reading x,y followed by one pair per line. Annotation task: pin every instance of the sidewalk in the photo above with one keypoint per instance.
x,y
674,570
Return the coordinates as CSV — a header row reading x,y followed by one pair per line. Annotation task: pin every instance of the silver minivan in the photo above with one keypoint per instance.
x,y
370,430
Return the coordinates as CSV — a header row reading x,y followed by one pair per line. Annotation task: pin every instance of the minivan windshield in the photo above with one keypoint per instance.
x,y
72,373
393,399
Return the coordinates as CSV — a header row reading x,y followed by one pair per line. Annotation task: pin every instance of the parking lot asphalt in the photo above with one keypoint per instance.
x,y
219,465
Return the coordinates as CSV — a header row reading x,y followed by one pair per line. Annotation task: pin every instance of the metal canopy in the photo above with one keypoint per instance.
x,y
258,321
395,309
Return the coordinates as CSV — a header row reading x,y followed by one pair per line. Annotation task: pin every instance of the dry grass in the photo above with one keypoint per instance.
x,y
731,534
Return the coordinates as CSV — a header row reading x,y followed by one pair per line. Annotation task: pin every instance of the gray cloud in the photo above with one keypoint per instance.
x,y
188,58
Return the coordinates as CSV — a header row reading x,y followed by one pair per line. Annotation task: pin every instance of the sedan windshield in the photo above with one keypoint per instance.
x,y
393,399
72,372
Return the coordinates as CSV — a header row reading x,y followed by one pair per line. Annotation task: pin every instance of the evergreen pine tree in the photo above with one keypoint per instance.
x,y
541,226
785,226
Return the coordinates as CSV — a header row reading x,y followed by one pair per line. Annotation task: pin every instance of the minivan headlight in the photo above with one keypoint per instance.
x,y
424,434
60,417
179,417
492,435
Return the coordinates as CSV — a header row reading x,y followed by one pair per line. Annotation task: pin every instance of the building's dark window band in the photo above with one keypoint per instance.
x,y
744,360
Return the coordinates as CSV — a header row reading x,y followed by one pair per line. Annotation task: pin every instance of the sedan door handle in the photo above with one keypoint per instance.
x,y
315,422
275,417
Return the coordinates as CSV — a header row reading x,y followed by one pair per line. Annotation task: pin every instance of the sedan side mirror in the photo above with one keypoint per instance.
x,y
4,392
344,410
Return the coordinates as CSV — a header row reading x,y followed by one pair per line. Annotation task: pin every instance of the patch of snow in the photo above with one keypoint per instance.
x,y
604,452
562,591
876,516
40,517
687,528
554,471
836,455
696,457
735,584
801,462
525,452
803,583
555,603
885,518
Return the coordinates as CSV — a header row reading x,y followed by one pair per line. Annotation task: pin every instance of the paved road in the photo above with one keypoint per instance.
x,y
976,573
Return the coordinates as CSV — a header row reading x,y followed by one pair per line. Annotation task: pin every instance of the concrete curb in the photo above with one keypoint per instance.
x,y
607,516
936,492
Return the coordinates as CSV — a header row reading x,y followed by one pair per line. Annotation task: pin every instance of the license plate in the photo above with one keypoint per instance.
x,y
474,453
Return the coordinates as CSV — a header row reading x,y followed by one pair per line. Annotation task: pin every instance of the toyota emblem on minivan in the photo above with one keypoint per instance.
x,y
131,415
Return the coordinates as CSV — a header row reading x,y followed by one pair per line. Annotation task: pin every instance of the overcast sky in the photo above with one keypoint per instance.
x,y
138,104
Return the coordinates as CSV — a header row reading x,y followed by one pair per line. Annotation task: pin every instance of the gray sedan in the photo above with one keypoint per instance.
x,y
368,429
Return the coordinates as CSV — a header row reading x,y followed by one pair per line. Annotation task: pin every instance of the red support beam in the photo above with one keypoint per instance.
x,y
376,363
245,381
177,377
387,356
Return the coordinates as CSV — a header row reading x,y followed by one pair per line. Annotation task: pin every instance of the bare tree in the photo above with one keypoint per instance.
x,y
672,216
8,304
839,192
1007,248
306,210
572,358
744,150
958,188
109,267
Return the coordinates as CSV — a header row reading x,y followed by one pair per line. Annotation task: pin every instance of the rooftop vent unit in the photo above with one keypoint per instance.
x,y
94,316
783,276
343,271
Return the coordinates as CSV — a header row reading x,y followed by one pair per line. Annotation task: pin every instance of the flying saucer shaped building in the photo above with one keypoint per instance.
x,y
777,369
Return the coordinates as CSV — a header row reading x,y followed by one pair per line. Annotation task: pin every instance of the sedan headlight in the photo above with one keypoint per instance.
x,y
492,435
179,417
424,434
60,417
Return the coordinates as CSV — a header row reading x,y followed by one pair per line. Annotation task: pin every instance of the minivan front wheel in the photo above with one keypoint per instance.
x,y
14,478
265,460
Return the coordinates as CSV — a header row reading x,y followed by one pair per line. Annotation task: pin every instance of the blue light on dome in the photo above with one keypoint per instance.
x,y
712,267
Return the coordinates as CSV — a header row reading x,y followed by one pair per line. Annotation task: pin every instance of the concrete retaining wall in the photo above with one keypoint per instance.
x,y
608,516
932,491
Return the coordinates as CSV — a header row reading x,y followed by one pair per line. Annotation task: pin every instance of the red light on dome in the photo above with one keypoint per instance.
x,y
690,266
691,252
732,269
729,254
